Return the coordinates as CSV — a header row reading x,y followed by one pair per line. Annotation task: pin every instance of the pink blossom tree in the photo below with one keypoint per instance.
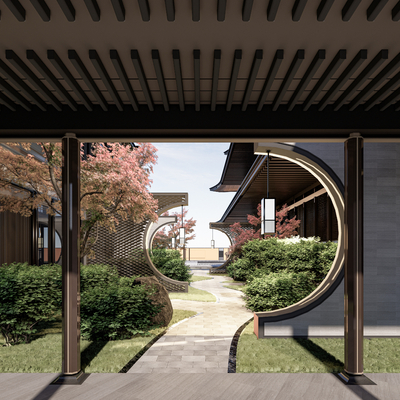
x,y
284,228
114,181
162,238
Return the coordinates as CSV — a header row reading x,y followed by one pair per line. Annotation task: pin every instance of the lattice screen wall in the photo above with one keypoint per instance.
x,y
125,248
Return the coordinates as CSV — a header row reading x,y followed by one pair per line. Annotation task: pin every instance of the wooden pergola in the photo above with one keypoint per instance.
x,y
234,71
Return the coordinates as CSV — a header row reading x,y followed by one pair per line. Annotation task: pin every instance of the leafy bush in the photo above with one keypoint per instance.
x,y
28,294
176,269
170,264
118,311
277,290
97,276
241,269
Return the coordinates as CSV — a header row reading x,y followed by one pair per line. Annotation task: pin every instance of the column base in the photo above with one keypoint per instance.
x,y
349,379
76,379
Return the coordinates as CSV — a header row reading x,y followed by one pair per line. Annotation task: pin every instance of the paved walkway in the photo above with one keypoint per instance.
x,y
200,344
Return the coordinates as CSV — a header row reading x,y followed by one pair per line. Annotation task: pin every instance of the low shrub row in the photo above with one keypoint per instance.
x,y
111,307
281,272
170,264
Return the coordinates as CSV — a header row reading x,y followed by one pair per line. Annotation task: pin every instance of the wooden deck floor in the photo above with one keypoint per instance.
x,y
178,386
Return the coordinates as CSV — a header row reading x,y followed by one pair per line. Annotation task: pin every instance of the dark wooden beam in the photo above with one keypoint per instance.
x,y
142,78
343,78
178,78
390,100
93,9
237,58
84,73
50,78
276,62
221,9
170,10
97,63
6,102
160,78
312,69
375,8
298,9
272,9
32,78
376,82
384,91
42,9
196,10
16,8
22,86
214,88
14,95
326,76
364,75
67,76
258,56
144,10
323,9
349,9
396,12
123,78
294,66
246,10
196,60
68,9
119,9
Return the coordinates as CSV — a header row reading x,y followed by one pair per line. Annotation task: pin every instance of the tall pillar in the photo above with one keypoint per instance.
x,y
35,234
71,356
51,240
353,253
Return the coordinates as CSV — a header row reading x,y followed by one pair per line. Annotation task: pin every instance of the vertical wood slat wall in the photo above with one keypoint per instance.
x,y
15,238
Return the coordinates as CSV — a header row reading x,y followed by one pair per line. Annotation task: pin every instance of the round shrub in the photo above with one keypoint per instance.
x,y
241,269
97,276
277,290
176,269
119,310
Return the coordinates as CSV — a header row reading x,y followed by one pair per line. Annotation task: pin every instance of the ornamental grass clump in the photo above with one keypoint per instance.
x,y
28,294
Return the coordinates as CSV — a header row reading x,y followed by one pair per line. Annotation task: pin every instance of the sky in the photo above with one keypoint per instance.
x,y
194,168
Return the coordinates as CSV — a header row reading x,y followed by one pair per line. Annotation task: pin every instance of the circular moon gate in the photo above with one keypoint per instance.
x,y
335,189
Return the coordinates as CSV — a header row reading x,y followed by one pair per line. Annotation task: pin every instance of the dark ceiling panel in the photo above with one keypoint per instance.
x,y
195,10
142,78
144,10
6,102
396,12
349,9
119,68
93,9
14,95
234,76
155,55
323,9
362,77
23,69
221,9
270,78
16,8
42,9
298,9
67,76
246,9
272,9
84,73
119,9
252,78
196,62
332,68
375,8
170,10
68,9
312,69
343,78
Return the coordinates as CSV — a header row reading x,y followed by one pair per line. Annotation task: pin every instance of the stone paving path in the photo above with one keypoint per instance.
x,y
200,344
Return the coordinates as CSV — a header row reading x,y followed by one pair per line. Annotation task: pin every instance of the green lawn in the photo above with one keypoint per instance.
x,y
194,295
43,354
235,287
311,355
195,278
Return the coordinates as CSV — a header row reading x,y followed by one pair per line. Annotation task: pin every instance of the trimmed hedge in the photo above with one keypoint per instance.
x,y
28,294
170,264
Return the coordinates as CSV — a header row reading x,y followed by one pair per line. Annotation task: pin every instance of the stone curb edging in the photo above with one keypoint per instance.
x,y
133,361
233,348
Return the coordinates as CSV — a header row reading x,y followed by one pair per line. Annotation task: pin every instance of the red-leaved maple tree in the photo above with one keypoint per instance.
x,y
114,181
284,228
162,239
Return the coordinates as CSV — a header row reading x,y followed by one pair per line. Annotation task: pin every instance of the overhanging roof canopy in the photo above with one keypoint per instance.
x,y
209,70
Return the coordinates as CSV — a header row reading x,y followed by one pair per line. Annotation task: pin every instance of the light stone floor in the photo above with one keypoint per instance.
x,y
200,344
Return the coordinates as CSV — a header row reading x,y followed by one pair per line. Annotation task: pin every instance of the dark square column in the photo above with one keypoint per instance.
x,y
354,268
71,356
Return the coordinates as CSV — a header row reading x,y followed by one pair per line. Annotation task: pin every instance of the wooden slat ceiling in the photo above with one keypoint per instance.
x,y
286,180
104,64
